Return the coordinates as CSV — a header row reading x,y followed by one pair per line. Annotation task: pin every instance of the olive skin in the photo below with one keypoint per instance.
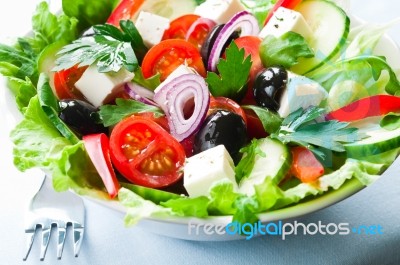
x,y
210,40
269,86
79,116
222,127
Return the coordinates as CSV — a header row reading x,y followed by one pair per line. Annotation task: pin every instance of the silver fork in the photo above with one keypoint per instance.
x,y
49,208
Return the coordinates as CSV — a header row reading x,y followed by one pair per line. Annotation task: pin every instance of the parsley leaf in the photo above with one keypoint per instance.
x,y
285,50
234,71
246,164
300,128
109,47
112,114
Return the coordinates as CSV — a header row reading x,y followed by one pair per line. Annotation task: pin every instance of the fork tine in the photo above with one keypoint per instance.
x,y
61,229
78,230
45,241
30,235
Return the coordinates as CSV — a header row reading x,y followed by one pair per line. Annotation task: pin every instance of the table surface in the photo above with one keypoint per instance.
x,y
107,241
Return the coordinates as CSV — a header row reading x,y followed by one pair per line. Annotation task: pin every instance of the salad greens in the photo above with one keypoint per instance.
x,y
285,50
108,47
39,143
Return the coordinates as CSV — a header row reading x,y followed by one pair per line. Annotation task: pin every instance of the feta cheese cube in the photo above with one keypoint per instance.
x,y
203,169
99,87
221,11
151,27
300,92
285,20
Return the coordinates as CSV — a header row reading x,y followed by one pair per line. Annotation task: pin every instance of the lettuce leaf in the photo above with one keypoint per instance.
x,y
89,13
259,8
185,206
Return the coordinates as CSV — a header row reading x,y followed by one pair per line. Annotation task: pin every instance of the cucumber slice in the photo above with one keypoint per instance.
x,y
330,26
380,141
168,8
275,165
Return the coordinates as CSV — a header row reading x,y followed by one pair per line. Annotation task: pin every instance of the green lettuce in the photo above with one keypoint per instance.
x,y
259,8
89,13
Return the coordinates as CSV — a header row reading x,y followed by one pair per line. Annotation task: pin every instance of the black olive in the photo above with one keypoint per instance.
x,y
222,127
269,86
210,40
80,116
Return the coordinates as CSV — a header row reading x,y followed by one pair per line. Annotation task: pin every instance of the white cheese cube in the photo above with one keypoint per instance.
x,y
221,11
300,92
99,87
203,169
285,20
151,27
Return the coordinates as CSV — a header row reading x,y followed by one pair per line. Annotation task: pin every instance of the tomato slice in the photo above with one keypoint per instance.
x,y
290,4
179,26
251,46
97,146
145,154
222,103
305,166
166,56
64,83
126,9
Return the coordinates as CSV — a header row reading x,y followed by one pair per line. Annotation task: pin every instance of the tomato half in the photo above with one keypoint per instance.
x,y
126,9
145,154
306,166
166,56
222,103
97,147
251,46
64,83
179,26
290,4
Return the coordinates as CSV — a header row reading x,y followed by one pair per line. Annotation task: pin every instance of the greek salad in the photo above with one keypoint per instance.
x,y
203,107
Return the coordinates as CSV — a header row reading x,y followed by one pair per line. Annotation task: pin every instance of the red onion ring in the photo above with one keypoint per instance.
x,y
243,21
140,93
175,95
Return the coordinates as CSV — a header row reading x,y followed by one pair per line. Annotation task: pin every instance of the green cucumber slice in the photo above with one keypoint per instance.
x,y
275,165
330,26
380,141
168,8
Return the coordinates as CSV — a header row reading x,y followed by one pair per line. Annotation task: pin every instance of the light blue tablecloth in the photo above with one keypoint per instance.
x,y
108,242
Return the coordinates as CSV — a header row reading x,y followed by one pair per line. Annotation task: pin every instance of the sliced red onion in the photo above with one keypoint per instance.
x,y
201,21
174,97
243,21
140,93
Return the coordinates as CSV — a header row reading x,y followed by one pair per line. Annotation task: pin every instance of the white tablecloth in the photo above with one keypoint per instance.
x,y
108,242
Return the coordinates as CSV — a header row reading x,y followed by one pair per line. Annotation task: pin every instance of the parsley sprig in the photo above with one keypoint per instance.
x,y
300,128
233,73
109,47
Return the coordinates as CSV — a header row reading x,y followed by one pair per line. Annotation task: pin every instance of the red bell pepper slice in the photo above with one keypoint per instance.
x,y
97,146
378,105
290,4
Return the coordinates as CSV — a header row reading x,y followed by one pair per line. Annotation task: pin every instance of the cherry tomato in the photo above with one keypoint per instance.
x,y
64,83
305,166
179,26
146,154
251,46
97,146
290,4
222,103
126,9
162,121
255,129
166,56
